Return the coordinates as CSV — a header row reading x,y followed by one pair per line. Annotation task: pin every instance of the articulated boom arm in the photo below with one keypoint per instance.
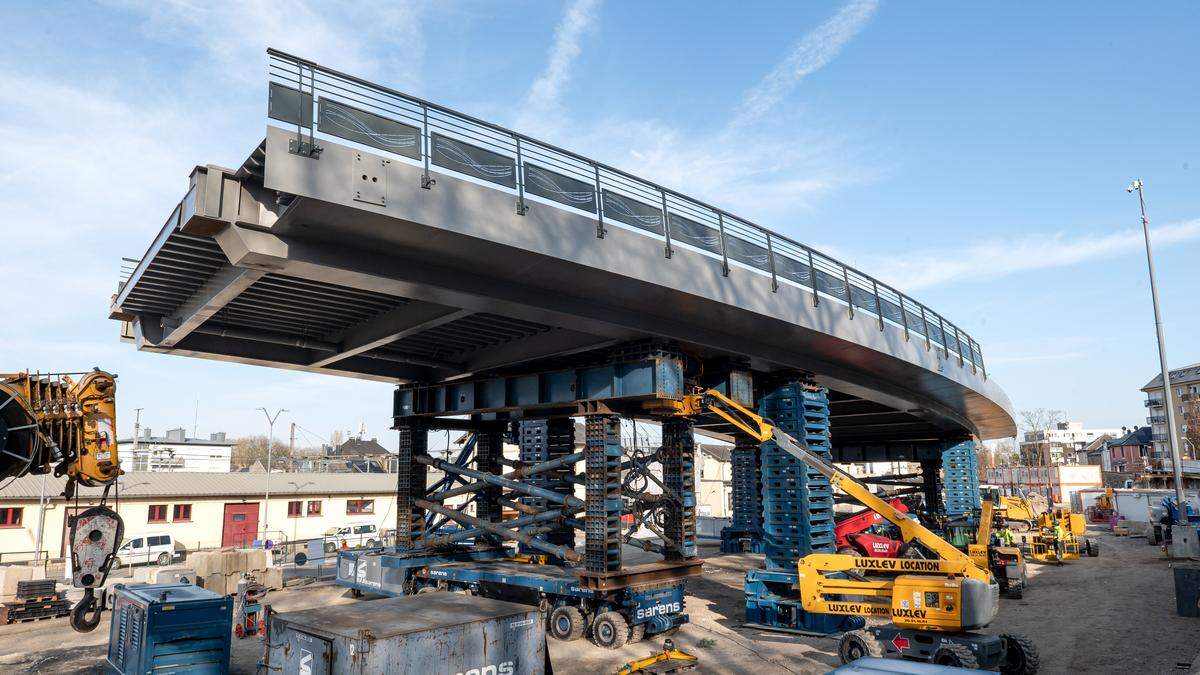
x,y
752,424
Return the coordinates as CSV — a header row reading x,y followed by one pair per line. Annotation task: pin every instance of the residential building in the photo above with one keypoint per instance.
x,y
1059,445
1185,383
361,455
176,452
201,510
1096,452
1131,452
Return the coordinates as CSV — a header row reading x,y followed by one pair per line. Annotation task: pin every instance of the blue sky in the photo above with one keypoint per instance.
x,y
974,155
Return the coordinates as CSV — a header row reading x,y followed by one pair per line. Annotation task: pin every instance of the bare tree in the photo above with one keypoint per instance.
x,y
997,453
1191,433
249,449
1038,419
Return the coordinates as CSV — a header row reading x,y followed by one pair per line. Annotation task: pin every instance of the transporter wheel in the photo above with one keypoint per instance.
x,y
1020,655
567,623
610,630
428,589
637,633
956,655
857,644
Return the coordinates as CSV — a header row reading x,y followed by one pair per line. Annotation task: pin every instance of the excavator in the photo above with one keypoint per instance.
x,y
54,422
933,604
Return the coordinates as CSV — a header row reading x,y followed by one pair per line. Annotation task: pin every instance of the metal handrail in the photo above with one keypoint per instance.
x,y
764,249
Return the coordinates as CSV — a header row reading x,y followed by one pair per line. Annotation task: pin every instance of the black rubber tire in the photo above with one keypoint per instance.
x,y
610,630
1093,548
164,559
857,644
1020,655
329,547
637,633
1015,591
371,543
428,589
301,559
957,655
116,563
567,623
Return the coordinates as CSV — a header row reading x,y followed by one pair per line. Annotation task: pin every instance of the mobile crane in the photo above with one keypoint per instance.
x,y
932,603
52,422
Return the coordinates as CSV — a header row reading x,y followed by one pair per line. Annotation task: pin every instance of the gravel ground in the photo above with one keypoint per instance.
x,y
1112,614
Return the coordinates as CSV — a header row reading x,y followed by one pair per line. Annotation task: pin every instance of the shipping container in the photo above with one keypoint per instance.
x,y
425,634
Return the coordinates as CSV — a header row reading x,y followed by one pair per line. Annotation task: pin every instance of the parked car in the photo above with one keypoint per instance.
x,y
156,547
355,536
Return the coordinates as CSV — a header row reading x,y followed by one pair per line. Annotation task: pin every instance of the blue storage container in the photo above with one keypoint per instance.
x,y
169,628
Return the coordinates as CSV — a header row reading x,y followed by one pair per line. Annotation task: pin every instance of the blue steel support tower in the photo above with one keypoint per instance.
x,y
797,504
410,484
960,480
744,534
602,523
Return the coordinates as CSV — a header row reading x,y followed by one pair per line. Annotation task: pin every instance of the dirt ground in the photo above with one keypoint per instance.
x,y
1111,614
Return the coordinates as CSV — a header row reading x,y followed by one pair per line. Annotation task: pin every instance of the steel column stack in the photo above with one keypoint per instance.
x,y
542,440
678,458
960,480
411,482
489,450
797,500
797,511
744,534
602,529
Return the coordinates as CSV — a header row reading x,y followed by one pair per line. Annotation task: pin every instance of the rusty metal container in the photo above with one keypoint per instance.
x,y
415,635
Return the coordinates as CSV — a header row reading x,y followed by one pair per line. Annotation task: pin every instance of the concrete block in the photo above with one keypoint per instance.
x,y
272,578
215,583
174,574
10,575
201,561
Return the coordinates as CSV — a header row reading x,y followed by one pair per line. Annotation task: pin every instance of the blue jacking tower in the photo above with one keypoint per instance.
x,y
745,534
797,512
960,480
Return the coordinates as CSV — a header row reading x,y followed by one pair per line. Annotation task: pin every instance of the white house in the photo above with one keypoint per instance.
x,y
201,510
176,452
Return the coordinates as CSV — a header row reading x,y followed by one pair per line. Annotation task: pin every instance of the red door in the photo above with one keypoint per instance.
x,y
241,525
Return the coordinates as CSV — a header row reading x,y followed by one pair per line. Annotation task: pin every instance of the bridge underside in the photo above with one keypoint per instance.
x,y
277,264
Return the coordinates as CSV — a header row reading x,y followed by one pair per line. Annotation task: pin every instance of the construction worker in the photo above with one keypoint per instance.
x,y
1060,539
1006,536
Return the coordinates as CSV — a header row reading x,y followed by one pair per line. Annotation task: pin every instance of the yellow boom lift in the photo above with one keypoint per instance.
x,y
1006,562
53,422
932,604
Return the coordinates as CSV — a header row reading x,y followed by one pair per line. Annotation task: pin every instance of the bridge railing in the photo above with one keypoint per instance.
x,y
313,99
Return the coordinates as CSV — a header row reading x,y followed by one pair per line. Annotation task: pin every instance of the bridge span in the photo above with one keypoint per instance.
x,y
376,235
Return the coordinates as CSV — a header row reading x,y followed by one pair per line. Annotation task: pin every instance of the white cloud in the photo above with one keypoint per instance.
x,y
543,103
809,54
998,258
363,38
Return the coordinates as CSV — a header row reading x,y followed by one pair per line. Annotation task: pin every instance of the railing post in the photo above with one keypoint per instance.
x,y
599,205
849,295
925,322
771,262
427,180
957,344
812,276
724,252
522,209
666,221
982,367
945,345
903,315
878,303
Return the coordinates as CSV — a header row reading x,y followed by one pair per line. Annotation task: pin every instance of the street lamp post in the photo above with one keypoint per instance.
x,y
270,441
1168,399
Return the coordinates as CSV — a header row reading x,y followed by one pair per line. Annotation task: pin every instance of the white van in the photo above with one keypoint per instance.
x,y
157,547
355,536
